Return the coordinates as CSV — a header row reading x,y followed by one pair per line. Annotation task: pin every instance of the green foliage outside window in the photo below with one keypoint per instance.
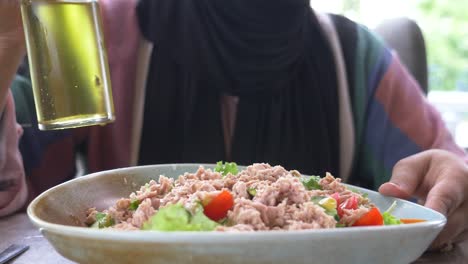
x,y
445,27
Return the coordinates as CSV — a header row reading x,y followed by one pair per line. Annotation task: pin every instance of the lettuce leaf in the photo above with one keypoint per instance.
x,y
103,220
252,191
134,205
312,183
200,222
388,218
225,168
177,218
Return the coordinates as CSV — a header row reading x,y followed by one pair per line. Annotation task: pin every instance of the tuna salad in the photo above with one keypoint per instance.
x,y
258,198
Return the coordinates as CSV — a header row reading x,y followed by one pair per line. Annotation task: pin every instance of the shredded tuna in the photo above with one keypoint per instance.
x,y
332,184
265,198
91,216
142,213
350,216
245,213
125,226
313,217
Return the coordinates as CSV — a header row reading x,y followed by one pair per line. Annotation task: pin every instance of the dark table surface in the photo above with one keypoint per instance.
x,y
17,229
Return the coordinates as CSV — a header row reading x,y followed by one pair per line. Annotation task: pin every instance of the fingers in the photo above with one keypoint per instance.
x,y
455,229
463,237
392,189
446,196
450,187
407,177
439,178
10,18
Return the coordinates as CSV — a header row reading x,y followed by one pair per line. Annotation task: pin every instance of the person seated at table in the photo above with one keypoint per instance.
x,y
248,81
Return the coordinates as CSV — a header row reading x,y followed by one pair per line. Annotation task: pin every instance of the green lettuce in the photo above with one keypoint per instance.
x,y
252,191
331,212
312,183
388,218
103,220
177,218
225,168
134,205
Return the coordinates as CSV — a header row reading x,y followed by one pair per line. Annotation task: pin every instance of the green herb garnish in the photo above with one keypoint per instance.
x,y
103,220
388,218
312,183
252,191
134,205
225,168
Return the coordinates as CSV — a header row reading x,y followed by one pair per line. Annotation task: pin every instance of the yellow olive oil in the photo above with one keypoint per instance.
x,y
68,63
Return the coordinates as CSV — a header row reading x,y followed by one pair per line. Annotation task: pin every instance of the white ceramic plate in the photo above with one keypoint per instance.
x,y
59,212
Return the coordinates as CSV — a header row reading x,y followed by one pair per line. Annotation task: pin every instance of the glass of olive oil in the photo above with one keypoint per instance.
x,y
68,63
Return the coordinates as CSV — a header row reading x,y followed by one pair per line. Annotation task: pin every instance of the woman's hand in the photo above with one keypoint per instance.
x,y
11,30
439,179
12,45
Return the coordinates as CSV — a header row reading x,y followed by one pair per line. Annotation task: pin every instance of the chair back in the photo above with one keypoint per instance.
x,y
405,37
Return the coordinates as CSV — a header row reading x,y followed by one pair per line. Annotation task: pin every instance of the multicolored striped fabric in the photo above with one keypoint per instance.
x,y
392,118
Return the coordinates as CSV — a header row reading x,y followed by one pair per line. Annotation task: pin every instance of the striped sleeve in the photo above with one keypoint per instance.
x,y
401,122
396,120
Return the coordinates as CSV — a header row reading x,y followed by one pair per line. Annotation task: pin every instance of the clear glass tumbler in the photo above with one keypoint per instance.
x,y
68,63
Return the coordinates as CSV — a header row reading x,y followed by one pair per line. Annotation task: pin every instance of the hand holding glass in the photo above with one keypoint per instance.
x,y
68,63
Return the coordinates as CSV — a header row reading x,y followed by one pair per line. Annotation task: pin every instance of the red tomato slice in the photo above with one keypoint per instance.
x,y
351,203
336,196
371,218
219,206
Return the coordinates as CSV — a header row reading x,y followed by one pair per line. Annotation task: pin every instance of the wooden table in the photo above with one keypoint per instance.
x,y
17,229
